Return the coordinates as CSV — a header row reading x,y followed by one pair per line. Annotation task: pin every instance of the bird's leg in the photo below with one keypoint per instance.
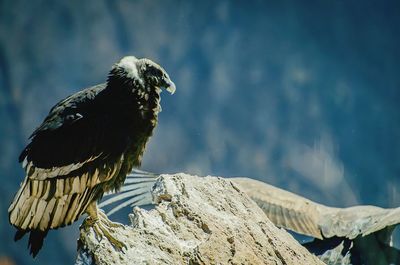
x,y
100,224
93,217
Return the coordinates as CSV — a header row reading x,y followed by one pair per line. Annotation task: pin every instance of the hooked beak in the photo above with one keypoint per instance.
x,y
171,87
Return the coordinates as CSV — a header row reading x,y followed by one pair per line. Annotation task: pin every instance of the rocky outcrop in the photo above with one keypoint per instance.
x,y
196,220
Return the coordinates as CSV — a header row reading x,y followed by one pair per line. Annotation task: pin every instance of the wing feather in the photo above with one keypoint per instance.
x,y
310,218
284,208
136,193
41,206
68,137
47,213
78,147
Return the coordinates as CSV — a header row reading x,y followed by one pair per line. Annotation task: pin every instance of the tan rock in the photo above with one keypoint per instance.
x,y
198,221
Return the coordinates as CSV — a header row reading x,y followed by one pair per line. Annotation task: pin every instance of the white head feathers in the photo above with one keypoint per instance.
x,y
145,72
128,64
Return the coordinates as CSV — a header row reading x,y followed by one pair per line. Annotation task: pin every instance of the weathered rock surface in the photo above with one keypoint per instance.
x,y
197,221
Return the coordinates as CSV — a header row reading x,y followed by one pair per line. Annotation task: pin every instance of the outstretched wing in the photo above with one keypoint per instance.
x,y
296,213
283,208
135,192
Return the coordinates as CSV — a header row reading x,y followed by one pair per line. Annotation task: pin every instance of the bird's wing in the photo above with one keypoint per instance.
x,y
68,156
135,192
71,136
359,220
296,213
283,208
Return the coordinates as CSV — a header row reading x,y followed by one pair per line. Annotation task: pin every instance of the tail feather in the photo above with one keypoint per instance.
x,y
19,234
35,242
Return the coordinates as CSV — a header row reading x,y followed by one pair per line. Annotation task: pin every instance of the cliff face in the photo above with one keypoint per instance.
x,y
196,221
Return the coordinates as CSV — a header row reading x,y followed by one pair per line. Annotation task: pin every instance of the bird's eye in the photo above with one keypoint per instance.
x,y
152,71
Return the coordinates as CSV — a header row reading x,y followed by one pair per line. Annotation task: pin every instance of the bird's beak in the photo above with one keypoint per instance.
x,y
171,87
168,84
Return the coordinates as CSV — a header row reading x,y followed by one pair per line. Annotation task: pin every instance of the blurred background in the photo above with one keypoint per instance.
x,y
304,96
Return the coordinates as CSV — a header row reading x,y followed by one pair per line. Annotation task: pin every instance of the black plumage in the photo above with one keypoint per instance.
x,y
86,146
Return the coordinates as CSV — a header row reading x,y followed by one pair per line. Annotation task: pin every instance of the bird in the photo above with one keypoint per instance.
x,y
84,148
363,232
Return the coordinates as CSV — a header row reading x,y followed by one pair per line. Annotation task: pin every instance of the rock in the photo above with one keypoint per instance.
x,y
196,220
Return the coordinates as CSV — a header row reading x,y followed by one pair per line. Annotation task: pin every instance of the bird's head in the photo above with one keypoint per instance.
x,y
143,72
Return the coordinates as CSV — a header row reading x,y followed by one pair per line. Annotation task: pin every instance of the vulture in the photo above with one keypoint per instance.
x,y
85,147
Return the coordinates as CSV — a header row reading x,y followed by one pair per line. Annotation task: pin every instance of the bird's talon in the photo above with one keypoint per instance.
x,y
102,231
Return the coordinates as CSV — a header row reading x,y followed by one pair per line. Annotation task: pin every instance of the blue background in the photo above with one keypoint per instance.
x,y
303,95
